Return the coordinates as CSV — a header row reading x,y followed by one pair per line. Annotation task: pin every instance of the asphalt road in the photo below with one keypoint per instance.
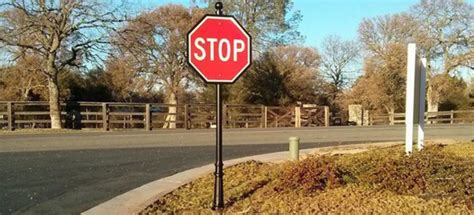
x,y
71,172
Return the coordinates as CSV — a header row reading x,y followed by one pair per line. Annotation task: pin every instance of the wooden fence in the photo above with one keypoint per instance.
x,y
446,117
79,115
106,116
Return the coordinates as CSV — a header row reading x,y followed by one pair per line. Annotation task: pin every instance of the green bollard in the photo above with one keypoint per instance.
x,y
294,148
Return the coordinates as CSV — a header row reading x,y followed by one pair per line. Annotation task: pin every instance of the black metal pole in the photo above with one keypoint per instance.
x,y
219,172
218,202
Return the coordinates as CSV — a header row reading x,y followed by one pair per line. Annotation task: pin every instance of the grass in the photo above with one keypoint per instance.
x,y
438,180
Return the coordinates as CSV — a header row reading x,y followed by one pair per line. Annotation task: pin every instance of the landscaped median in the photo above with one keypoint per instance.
x,y
439,179
374,177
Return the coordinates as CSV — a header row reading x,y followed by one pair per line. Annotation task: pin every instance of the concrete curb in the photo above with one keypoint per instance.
x,y
134,201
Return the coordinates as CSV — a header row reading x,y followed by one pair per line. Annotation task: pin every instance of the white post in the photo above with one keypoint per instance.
x,y
410,98
421,115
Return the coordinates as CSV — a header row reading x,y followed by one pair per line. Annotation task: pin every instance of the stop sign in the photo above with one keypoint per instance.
x,y
219,49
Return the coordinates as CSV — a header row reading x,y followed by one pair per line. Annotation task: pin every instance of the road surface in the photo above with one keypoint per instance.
x,y
68,173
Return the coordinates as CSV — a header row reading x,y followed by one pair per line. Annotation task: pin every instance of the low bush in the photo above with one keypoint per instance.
x,y
311,174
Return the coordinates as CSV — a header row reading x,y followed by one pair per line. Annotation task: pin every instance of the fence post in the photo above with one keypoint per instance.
x,y
452,116
224,116
368,118
391,117
187,116
105,117
185,124
371,119
10,116
364,118
326,116
297,117
265,117
148,117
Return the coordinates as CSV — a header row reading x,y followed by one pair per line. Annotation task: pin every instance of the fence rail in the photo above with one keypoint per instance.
x,y
447,117
148,116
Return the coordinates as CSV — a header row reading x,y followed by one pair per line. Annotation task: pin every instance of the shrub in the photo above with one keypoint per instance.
x,y
312,174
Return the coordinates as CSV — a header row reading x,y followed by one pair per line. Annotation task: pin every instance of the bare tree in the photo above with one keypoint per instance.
x,y
384,39
446,36
62,33
154,44
337,56
270,22
382,86
379,33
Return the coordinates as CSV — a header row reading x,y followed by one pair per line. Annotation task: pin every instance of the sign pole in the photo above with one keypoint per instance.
x,y
219,50
218,202
415,99
410,98
421,119
219,173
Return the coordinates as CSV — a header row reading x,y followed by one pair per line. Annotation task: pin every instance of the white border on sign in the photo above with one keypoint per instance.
x,y
248,48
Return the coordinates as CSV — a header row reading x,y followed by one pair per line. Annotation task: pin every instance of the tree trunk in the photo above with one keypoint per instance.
x,y
432,99
172,99
53,87
26,91
433,102
54,107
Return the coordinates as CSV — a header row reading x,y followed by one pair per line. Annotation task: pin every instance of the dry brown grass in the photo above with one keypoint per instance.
x,y
438,180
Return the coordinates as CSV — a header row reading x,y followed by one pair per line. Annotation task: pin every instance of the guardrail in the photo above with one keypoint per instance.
x,y
148,116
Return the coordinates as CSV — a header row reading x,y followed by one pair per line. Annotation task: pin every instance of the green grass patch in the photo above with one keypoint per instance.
x,y
437,180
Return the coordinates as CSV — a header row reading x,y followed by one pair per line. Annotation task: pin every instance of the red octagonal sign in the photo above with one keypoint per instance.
x,y
219,49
